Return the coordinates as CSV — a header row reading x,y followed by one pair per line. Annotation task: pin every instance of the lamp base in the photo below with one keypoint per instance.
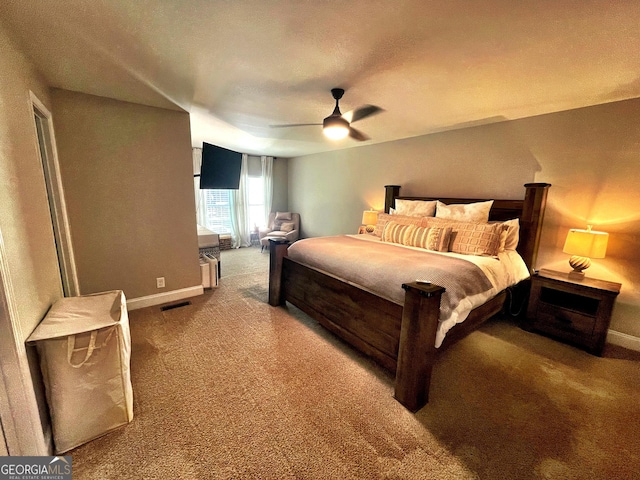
x,y
370,228
579,264
576,275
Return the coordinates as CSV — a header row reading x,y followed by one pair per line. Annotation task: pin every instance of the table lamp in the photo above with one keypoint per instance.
x,y
583,245
369,219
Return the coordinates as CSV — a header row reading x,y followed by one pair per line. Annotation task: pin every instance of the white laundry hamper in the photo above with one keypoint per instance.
x,y
84,346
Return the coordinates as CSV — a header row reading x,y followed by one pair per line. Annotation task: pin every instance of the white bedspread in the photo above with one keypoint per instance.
x,y
505,270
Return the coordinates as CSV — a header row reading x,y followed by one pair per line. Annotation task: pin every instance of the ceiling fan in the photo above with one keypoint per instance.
x,y
337,126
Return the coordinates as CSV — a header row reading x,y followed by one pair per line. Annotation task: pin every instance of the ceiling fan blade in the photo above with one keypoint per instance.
x,y
294,125
362,112
357,135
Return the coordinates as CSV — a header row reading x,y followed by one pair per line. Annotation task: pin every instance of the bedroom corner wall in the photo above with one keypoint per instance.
x,y
589,155
127,173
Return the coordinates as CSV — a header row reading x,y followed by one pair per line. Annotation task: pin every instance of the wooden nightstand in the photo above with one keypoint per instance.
x,y
577,311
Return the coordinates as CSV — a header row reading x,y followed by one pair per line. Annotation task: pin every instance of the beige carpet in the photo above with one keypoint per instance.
x,y
231,388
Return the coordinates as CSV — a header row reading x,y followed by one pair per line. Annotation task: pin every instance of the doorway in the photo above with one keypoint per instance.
x,y
21,426
57,207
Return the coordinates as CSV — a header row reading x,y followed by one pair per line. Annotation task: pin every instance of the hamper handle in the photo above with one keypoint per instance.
x,y
71,344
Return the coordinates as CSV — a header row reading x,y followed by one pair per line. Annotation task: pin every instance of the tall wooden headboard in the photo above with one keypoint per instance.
x,y
529,211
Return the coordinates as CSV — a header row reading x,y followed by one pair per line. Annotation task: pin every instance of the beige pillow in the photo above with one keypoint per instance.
x,y
287,226
421,208
383,218
433,238
283,216
396,232
476,238
466,212
442,222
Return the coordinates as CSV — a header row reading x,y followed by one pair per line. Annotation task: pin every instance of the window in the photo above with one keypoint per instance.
x,y
255,202
214,207
217,205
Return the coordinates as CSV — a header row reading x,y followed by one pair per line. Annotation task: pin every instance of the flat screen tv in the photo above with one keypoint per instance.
x,y
220,168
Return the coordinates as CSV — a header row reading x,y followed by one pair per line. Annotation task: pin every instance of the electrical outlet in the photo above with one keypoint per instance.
x,y
160,282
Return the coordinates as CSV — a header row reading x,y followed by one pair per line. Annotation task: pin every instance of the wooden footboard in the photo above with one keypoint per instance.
x,y
400,337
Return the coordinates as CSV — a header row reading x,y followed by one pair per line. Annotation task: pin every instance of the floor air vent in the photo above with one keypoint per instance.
x,y
175,305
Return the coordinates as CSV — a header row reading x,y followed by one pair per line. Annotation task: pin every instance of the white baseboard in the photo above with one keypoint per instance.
x,y
623,340
164,297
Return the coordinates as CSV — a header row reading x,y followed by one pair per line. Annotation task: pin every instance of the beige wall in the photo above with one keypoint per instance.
x,y
128,179
29,274
590,155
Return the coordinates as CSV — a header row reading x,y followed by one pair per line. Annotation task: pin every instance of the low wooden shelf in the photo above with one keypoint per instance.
x,y
577,311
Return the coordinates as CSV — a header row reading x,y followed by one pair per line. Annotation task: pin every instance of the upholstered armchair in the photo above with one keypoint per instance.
x,y
284,225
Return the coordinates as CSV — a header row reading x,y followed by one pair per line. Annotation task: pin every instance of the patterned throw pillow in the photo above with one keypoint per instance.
x,y
479,239
434,238
443,222
466,212
383,218
287,226
476,239
397,233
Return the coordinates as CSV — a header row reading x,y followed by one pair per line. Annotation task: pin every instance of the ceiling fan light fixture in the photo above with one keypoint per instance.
x,y
335,128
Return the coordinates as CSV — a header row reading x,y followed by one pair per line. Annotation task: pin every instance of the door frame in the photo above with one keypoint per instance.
x,y
47,152
22,430
22,433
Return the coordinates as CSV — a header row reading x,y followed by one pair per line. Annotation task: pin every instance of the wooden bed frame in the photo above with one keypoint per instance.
x,y
399,337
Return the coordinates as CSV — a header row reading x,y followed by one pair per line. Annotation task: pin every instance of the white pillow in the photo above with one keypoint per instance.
x,y
510,235
466,212
416,208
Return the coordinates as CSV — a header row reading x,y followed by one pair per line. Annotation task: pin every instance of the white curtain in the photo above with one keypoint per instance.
x,y
239,219
201,213
267,178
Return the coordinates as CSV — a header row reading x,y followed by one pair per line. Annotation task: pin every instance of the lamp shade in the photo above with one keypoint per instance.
x,y
335,127
369,217
586,243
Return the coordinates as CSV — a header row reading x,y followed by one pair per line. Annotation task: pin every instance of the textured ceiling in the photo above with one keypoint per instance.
x,y
240,66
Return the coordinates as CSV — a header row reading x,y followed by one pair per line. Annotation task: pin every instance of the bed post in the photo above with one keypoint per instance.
x,y
417,351
390,194
533,208
277,252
